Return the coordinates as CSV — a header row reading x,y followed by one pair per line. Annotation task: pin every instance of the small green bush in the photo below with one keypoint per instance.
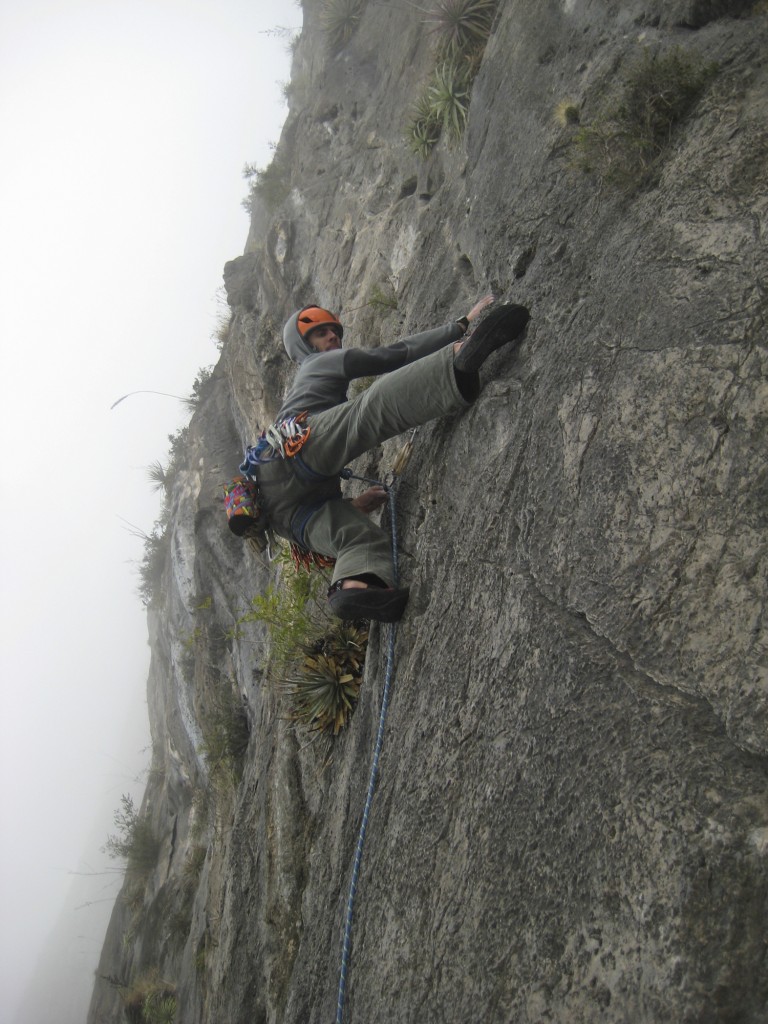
x,y
290,609
201,386
222,330
226,732
160,1009
271,184
134,840
179,922
626,144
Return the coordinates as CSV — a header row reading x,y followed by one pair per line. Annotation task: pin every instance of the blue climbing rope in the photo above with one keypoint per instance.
x,y
347,944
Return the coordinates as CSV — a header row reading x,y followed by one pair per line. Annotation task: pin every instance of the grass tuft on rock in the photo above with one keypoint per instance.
x,y
150,1000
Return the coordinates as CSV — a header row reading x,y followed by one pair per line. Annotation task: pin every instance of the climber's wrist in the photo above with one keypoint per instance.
x,y
463,322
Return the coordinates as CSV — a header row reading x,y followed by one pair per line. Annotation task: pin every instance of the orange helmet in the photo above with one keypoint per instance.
x,y
314,316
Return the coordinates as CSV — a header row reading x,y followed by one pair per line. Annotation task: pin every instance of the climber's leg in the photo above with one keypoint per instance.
x,y
360,547
395,402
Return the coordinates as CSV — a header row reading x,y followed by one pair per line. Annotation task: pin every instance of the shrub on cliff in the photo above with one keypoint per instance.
x,y
271,184
149,1000
626,143
226,733
134,840
290,609
152,564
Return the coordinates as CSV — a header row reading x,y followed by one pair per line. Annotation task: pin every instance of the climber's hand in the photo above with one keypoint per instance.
x,y
478,308
370,500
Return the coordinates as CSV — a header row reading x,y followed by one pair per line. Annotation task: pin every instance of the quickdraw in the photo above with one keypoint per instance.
x,y
288,436
308,560
282,440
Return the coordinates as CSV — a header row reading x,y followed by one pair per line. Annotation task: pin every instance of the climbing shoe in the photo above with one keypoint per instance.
x,y
379,603
501,326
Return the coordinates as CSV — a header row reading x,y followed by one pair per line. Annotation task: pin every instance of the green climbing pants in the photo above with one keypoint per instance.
x,y
302,494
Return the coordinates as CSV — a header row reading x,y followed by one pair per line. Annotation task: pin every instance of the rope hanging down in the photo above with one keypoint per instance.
x,y
347,944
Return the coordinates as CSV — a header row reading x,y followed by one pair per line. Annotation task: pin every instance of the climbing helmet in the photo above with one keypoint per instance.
x,y
314,316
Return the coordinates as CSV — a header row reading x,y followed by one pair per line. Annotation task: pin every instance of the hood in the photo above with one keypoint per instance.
x,y
297,348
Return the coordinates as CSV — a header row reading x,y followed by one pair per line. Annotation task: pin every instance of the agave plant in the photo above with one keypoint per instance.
x,y
323,690
424,128
461,25
159,1008
448,95
158,475
339,20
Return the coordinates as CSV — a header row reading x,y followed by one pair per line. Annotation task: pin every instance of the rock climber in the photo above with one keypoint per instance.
x,y
418,379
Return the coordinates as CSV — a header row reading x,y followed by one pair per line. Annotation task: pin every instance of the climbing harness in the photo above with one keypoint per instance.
x,y
282,440
347,943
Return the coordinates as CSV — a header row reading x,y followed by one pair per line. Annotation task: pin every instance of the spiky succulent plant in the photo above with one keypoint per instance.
x,y
339,20
448,93
461,25
322,691
423,130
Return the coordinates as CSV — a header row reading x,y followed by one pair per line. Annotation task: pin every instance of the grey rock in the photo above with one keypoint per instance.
x,y
571,821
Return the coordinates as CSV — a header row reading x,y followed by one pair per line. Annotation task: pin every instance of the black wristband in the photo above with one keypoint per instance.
x,y
463,321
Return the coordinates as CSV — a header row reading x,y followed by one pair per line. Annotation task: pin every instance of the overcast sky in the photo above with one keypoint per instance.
x,y
124,129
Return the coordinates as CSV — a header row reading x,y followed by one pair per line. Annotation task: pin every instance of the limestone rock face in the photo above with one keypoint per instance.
x,y
571,822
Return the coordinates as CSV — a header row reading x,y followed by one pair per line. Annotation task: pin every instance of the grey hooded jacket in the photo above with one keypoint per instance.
x,y
323,377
